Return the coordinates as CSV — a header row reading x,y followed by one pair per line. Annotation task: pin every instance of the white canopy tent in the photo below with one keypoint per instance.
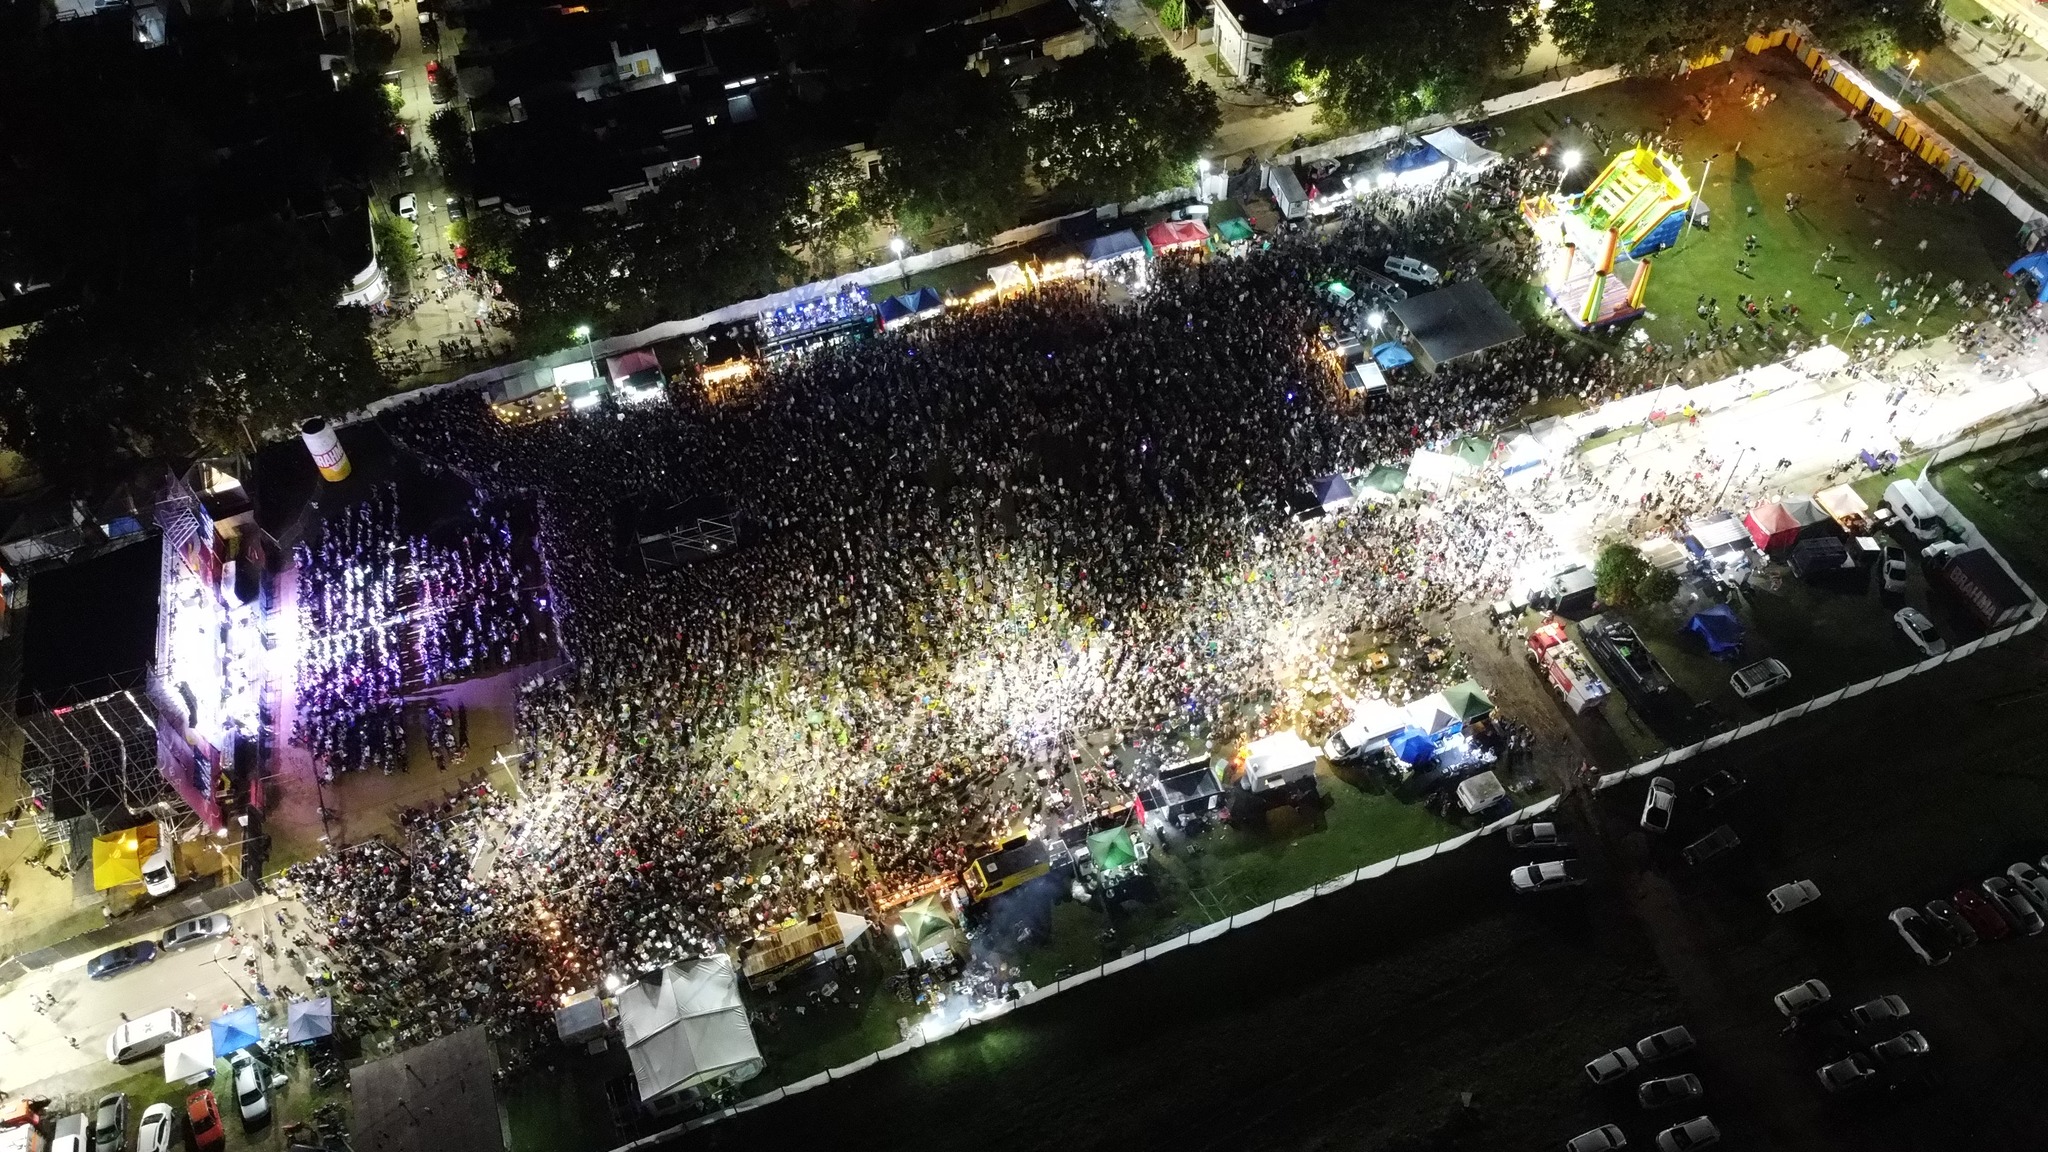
x,y
1435,471
1461,151
687,1028
188,1057
1821,360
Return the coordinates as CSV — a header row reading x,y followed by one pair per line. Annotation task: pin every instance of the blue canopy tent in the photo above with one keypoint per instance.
x,y
893,310
1719,627
1420,165
235,1031
2034,264
1110,247
1391,355
1413,746
1332,491
309,1020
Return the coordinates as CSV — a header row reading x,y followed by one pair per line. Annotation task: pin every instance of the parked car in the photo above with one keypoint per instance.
x,y
203,1114
1952,922
115,961
159,873
1545,876
1845,1073
1879,1011
158,1130
1905,1046
1981,915
252,1094
1919,631
1923,938
1893,570
2007,899
1666,1044
1719,786
2031,883
1669,1090
1711,845
199,929
1797,894
145,1035
1801,998
405,164
110,1123
1759,678
1698,1132
1540,835
456,209
1605,1138
1612,1066
407,206
1658,804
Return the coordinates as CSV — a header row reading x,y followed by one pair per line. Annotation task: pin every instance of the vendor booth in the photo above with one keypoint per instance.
x,y
1771,528
237,1030
1188,791
584,1020
910,307
309,1021
117,857
1009,280
581,387
805,944
1466,157
525,398
1176,236
636,376
189,1058
1277,763
929,932
1333,492
1382,485
1113,855
1848,509
1115,248
1416,167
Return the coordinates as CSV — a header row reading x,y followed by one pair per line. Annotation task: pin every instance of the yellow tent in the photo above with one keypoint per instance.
x,y
117,857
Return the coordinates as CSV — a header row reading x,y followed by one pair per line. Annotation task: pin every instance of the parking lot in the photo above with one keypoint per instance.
x,y
1900,796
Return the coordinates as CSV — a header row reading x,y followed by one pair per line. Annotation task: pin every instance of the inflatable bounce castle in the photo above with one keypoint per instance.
x,y
1597,244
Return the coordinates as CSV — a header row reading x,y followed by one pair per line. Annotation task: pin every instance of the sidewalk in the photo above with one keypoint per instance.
x,y
1970,88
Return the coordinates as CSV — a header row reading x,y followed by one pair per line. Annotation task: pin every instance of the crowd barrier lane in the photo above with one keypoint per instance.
x,y
1754,727
1079,978
1375,871
1457,842
1037,994
1173,945
810,1082
1251,916
1294,900
761,1101
1208,932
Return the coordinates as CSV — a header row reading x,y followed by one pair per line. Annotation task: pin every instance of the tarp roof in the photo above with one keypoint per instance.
x,y
1386,478
1391,354
1456,320
1111,246
1112,849
1412,746
1365,376
687,1027
1475,451
1770,526
1718,532
235,1031
189,1056
928,922
1432,714
800,940
1332,490
308,1020
1468,701
1718,626
1840,501
1805,513
1234,228
1170,234
630,364
117,857
1461,150
1417,160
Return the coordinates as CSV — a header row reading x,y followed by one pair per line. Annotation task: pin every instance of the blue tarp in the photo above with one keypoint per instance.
x,y
1111,246
2035,265
1334,489
1413,746
235,1031
1416,159
1718,626
309,1020
1391,355
893,309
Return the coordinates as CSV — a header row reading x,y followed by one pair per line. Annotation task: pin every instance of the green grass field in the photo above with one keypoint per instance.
x,y
1991,489
1799,144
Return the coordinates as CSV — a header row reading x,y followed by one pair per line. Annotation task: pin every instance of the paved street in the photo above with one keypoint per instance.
x,y
205,981
443,312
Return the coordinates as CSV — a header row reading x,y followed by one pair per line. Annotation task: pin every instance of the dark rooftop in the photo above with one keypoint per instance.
x,y
1456,320
91,626
434,1098
1270,18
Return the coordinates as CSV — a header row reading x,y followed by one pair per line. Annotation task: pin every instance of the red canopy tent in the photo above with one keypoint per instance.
x,y
1168,235
1771,526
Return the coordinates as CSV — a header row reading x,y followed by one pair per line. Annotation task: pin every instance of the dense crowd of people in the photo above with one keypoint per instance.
x,y
384,613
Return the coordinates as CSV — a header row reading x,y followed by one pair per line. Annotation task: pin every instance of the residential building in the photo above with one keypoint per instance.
x,y
1246,29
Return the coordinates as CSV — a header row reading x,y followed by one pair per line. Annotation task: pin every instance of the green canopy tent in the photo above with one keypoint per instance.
x,y
928,924
1468,701
1382,483
1112,850
1475,451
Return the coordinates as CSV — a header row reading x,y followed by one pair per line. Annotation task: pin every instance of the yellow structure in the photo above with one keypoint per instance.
x,y
117,857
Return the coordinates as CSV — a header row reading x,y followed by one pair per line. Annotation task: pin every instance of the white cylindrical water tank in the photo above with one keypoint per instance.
x,y
326,449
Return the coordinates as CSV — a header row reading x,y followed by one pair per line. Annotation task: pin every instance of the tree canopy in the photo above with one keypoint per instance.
x,y
1642,36
1381,64
1118,122
956,150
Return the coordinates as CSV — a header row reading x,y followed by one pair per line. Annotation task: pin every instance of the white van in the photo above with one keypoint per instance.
x,y
145,1035
1914,510
158,877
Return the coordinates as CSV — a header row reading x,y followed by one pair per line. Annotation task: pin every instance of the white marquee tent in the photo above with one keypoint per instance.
x,y
687,1028
1461,151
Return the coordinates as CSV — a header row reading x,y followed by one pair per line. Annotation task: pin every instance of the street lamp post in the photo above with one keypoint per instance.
x,y
1699,195
897,246
583,333
1565,163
